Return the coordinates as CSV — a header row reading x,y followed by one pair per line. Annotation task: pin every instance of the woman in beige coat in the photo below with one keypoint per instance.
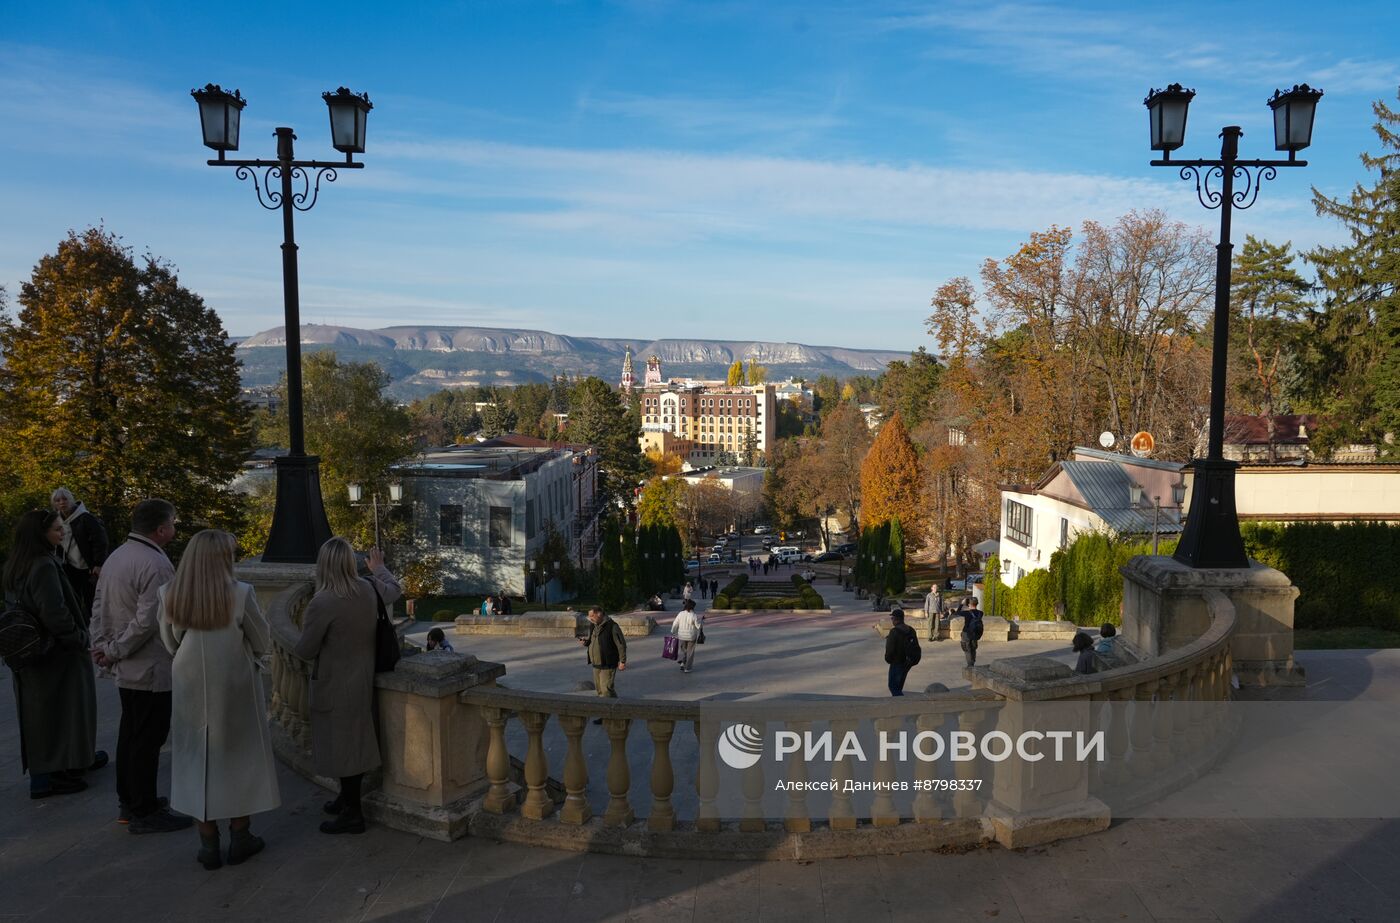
x,y
337,632
221,764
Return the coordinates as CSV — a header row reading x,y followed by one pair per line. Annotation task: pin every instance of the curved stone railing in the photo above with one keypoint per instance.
x,y
461,753
939,815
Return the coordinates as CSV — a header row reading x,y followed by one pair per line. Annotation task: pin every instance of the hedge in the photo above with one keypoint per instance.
x,y
1346,573
1341,571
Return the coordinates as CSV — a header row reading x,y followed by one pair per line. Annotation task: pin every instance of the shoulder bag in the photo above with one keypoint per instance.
x,y
386,641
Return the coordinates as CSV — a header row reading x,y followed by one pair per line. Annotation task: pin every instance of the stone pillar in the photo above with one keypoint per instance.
x,y
1036,802
538,805
576,809
796,819
842,813
619,812
1166,605
268,580
707,777
433,746
663,814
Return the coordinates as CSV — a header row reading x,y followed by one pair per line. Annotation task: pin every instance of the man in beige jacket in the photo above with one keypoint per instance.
x,y
126,643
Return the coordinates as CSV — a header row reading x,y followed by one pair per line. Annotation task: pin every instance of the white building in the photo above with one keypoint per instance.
x,y
1104,491
486,509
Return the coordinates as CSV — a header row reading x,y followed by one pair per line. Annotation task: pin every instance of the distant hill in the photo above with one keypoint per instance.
x,y
421,360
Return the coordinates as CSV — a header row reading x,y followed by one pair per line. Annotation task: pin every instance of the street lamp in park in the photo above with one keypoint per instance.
x,y
1211,538
299,525
356,494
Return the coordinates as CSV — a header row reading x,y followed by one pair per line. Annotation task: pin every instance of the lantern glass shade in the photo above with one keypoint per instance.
x,y
1178,494
1166,114
395,492
348,113
355,491
1293,117
1135,494
219,114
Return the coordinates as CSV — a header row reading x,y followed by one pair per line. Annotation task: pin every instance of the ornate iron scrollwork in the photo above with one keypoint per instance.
x,y
1244,196
270,197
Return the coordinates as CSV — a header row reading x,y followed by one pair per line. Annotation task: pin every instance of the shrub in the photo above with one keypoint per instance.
x,y
721,602
1337,568
735,586
442,615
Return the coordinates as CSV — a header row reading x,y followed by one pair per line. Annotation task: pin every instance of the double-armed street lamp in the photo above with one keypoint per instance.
x,y
1211,537
299,525
356,493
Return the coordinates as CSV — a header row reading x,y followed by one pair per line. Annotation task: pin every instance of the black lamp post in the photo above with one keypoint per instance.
x,y
1211,537
299,525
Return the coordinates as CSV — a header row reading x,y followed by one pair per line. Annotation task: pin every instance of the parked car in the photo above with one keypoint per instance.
x,y
846,548
968,582
762,530
767,543
828,556
732,536
692,564
718,547
713,559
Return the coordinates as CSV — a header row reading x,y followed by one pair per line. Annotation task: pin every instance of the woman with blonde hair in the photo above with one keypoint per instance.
x,y
221,765
337,632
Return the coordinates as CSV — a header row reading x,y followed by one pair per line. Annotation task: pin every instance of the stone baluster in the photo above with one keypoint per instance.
x,y
538,805
752,820
1197,734
576,809
883,812
1096,723
842,814
663,780
301,702
797,819
1116,772
967,801
707,777
277,708
928,808
619,812
499,797
1162,724
1140,760
1182,706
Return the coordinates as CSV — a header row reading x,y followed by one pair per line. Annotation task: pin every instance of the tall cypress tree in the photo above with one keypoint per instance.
x,y
631,565
1356,347
894,573
611,595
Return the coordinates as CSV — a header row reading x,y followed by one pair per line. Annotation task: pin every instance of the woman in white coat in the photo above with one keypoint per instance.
x,y
689,627
221,764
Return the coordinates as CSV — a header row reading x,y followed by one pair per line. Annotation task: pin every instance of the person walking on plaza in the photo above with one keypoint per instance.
x,y
84,546
221,763
337,632
687,626
607,652
55,693
714,587
126,644
901,651
971,631
933,610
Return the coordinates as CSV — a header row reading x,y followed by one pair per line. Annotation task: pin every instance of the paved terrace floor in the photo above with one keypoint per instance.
x,y
65,859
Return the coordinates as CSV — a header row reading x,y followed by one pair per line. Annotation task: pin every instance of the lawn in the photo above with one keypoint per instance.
x,y
1340,639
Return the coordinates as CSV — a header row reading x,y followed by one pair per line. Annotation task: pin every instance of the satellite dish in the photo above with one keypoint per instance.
x,y
1106,439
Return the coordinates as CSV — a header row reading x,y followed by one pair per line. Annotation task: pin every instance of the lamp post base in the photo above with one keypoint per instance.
x,y
1211,538
299,525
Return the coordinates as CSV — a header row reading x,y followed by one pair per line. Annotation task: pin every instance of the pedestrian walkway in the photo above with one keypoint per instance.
x,y
65,859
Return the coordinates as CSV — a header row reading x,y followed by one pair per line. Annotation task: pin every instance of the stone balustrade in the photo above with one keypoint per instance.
x,y
463,755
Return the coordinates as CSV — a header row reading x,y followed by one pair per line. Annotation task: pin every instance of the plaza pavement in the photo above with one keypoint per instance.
x,y
65,859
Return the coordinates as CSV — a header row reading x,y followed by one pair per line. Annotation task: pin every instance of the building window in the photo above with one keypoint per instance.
x,y
1018,522
450,525
1064,533
499,524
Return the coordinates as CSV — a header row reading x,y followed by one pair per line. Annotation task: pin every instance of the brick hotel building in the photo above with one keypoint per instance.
x,y
702,420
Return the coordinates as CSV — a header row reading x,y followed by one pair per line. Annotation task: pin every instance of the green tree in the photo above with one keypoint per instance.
x,y
119,383
910,388
631,565
611,569
358,432
1267,302
736,373
1355,356
444,417
894,572
662,502
756,374
598,417
497,419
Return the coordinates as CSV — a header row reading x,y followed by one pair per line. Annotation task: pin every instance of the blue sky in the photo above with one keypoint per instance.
x,y
786,171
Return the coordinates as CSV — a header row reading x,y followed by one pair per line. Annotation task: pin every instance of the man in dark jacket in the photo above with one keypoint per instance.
x,y
84,546
607,652
901,651
971,632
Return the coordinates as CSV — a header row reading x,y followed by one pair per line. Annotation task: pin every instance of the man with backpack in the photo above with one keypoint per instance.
x,y
901,651
971,632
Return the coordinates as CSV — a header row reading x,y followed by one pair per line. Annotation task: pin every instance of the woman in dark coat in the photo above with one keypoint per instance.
x,y
56,694
337,632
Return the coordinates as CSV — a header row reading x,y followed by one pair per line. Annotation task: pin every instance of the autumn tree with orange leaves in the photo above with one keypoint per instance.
x,y
891,485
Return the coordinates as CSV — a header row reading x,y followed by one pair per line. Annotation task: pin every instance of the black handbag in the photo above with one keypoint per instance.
x,y
23,638
386,641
